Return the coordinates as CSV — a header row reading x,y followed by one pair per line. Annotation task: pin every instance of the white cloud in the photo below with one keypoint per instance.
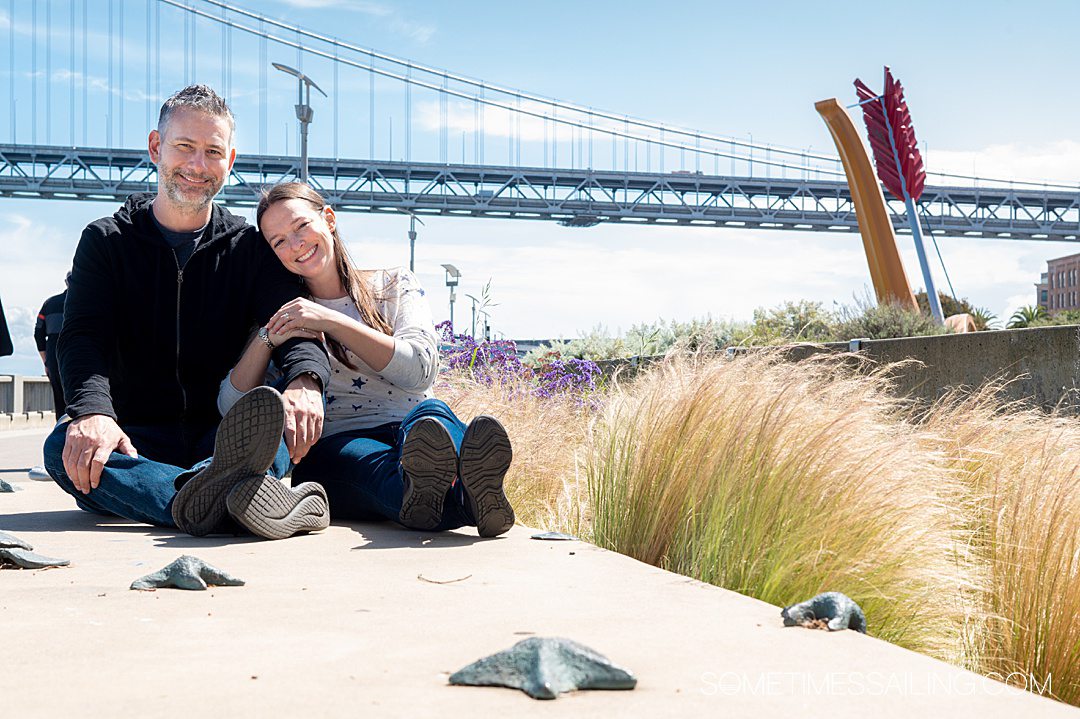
x,y
100,84
368,8
36,257
461,116
25,360
999,275
418,32
1057,161
554,281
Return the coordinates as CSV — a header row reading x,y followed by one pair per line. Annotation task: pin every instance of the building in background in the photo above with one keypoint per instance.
x,y
1059,288
1042,292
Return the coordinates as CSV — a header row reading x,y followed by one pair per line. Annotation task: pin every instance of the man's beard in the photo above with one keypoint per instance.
x,y
189,198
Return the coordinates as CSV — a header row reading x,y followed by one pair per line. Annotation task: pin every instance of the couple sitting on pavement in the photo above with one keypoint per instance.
x,y
163,296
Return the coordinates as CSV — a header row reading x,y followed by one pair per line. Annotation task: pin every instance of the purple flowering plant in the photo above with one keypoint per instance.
x,y
497,360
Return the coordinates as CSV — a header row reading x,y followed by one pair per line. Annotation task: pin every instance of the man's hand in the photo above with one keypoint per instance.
x,y
89,442
303,416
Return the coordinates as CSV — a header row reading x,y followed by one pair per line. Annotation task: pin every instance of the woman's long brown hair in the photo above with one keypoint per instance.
x,y
353,280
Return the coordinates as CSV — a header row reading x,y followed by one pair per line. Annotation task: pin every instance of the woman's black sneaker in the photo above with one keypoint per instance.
x,y
428,466
485,457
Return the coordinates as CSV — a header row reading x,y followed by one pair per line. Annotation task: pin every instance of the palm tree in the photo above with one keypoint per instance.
x,y
984,319
1027,316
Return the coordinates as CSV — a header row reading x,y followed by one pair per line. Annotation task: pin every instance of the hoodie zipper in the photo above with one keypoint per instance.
x,y
179,286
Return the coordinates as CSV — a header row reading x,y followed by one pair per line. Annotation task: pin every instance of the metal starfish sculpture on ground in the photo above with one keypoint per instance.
x,y
544,667
833,610
18,553
186,572
10,540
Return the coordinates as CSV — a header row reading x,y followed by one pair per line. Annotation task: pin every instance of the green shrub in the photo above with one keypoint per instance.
x,y
1068,317
801,321
881,322
1027,317
646,339
984,318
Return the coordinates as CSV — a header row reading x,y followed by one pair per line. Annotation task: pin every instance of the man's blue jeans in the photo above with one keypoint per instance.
x,y
361,469
142,489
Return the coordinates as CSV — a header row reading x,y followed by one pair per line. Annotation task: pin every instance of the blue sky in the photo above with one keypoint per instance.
x,y
990,90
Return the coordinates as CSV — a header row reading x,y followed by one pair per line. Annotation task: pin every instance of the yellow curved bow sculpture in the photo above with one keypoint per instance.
x,y
886,268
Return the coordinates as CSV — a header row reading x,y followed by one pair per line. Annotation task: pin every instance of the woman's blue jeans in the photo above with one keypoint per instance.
x,y
361,469
142,489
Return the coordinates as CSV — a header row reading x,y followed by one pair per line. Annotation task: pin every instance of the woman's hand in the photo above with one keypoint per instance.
x,y
301,314
277,339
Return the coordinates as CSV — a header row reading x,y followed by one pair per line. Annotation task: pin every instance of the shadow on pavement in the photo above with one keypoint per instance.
x,y
64,520
391,536
386,535
183,541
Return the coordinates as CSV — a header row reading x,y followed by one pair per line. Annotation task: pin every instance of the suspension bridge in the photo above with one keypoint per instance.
x,y
85,81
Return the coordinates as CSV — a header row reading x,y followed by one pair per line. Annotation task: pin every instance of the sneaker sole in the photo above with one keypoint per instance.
x,y
429,464
486,455
269,509
246,443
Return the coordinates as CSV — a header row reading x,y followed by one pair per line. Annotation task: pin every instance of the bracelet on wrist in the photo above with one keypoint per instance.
x,y
264,335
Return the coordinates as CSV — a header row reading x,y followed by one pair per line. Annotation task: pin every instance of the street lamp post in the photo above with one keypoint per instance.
x,y
413,219
487,325
452,277
474,301
304,113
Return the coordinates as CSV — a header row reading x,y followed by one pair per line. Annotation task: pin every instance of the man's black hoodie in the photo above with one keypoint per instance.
x,y
146,341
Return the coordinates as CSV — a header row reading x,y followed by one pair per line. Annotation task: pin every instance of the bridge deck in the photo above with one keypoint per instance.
x,y
573,197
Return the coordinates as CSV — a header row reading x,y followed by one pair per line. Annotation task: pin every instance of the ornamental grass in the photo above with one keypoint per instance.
x,y
780,481
1021,471
549,435
956,528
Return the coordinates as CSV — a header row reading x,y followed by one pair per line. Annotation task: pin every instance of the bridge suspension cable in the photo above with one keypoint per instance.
x,y
692,138
509,106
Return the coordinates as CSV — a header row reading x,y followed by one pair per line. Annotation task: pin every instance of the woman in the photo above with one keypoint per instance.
x,y
388,449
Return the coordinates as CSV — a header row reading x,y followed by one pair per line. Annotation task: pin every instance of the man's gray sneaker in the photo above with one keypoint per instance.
x,y
428,464
269,509
246,443
485,457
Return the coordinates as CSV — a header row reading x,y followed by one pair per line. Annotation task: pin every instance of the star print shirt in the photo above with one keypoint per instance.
x,y
364,398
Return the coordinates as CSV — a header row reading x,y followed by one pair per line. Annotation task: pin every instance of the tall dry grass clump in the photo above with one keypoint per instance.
x,y
548,437
1021,469
780,481
957,528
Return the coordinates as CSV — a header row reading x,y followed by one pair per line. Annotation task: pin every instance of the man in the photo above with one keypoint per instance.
x,y
46,330
162,297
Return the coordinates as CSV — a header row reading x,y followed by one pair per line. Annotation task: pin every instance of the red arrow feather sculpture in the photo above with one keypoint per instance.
x,y
898,160
892,138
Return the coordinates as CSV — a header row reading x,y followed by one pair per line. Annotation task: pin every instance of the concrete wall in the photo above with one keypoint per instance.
x,y
1044,363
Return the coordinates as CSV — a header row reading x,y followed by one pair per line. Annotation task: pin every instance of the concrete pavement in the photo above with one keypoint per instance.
x,y
370,620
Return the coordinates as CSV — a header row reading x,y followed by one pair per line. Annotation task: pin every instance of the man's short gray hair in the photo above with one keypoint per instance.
x,y
196,97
